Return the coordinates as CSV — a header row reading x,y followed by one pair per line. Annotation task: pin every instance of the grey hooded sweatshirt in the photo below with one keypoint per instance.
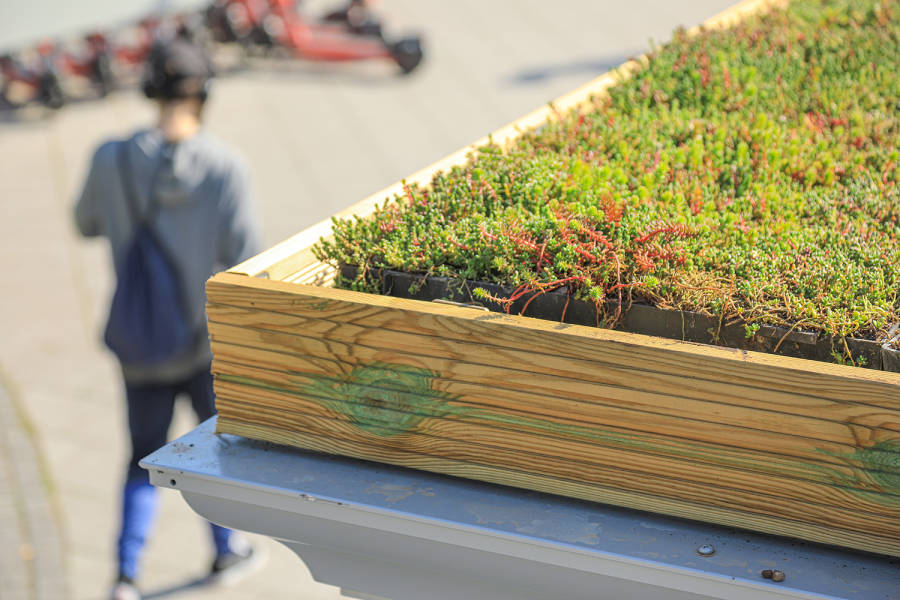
x,y
206,220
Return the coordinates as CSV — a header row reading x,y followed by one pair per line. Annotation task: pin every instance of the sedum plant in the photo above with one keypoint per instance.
x,y
748,173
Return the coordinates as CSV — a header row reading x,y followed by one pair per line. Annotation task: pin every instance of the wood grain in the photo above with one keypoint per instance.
x,y
734,476
782,439
497,453
613,494
507,361
797,378
781,451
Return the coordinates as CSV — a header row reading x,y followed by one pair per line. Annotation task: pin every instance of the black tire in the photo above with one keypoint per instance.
x,y
256,41
407,53
104,78
220,26
369,28
50,93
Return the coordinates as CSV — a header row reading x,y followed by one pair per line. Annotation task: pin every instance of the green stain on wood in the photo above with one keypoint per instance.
x,y
362,396
318,306
390,399
881,463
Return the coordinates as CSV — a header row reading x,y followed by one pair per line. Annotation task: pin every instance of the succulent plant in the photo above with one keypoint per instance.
x,y
750,173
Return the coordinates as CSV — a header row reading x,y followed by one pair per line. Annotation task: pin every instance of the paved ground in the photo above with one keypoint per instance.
x,y
318,138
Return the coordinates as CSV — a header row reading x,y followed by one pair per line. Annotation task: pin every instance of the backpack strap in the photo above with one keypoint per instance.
x,y
127,174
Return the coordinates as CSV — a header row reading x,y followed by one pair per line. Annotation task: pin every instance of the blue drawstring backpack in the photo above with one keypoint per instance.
x,y
148,322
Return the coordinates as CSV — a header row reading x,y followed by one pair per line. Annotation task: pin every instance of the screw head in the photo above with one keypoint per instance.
x,y
778,576
706,550
767,573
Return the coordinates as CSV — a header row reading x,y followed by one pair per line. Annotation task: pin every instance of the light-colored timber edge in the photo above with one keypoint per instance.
x,y
293,257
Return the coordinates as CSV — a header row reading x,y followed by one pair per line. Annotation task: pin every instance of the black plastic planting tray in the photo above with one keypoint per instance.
x,y
639,318
890,351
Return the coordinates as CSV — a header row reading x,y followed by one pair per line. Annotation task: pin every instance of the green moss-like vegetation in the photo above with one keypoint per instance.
x,y
748,173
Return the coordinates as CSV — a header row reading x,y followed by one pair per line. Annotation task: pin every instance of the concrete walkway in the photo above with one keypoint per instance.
x,y
318,138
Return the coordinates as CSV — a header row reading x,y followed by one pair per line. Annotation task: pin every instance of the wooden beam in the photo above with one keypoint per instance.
x,y
624,392
773,437
636,471
730,468
798,376
589,382
478,465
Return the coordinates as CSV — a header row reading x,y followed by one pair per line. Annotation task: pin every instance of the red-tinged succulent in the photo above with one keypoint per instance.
x,y
750,173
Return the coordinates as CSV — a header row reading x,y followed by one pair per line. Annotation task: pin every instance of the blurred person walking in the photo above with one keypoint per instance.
x,y
175,205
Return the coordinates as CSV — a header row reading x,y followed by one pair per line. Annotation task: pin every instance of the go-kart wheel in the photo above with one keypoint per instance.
x,y
261,36
407,53
51,93
103,75
371,28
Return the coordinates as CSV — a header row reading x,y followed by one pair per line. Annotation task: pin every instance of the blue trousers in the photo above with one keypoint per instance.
x,y
150,409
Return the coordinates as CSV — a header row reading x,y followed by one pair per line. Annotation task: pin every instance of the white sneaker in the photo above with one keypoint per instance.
x,y
124,590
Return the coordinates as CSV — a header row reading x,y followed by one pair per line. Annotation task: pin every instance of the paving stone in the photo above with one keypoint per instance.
x,y
15,573
31,562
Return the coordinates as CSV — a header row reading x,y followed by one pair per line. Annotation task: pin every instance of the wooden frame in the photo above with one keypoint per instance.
x,y
778,445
